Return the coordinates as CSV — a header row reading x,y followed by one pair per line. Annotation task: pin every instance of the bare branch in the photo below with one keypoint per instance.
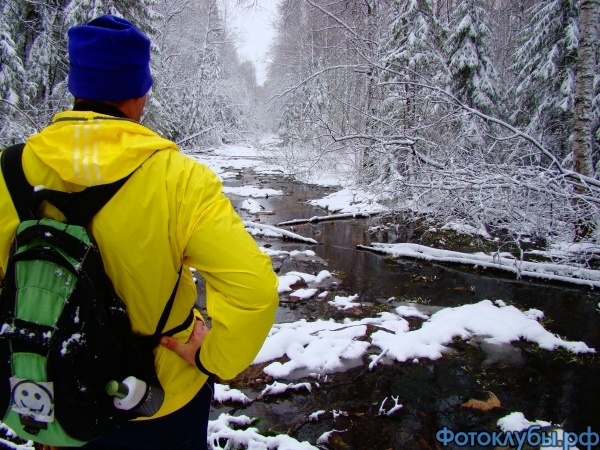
x,y
27,116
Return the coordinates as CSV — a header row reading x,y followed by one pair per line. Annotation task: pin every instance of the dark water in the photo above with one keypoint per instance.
x,y
551,386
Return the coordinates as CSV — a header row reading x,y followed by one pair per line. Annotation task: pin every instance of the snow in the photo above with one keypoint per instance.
x,y
251,191
7,328
228,428
346,202
516,422
350,201
253,207
286,282
324,438
228,158
290,279
312,279
278,388
299,254
323,279
314,417
224,393
410,311
344,303
465,229
323,347
11,434
356,201
11,445
304,294
74,340
314,348
491,323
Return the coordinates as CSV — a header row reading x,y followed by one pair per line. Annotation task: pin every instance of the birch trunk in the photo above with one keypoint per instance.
x,y
582,125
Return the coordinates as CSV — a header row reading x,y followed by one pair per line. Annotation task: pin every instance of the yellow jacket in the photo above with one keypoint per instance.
x,y
170,211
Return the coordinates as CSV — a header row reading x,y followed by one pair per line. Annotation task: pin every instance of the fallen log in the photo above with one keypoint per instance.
x,y
546,271
358,215
276,232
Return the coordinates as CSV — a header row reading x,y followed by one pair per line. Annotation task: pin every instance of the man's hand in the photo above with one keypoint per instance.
x,y
188,350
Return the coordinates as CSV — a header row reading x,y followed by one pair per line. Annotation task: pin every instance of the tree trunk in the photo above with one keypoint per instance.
x,y
582,125
371,103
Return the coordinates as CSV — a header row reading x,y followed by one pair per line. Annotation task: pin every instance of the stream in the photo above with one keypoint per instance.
x,y
558,387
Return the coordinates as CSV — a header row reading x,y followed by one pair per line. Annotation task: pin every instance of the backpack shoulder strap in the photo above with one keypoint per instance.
x,y
152,340
21,192
78,207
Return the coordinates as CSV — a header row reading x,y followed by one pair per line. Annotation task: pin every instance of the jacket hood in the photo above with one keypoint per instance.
x,y
87,148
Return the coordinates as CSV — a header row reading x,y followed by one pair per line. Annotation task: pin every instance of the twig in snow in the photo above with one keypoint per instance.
x,y
395,408
376,360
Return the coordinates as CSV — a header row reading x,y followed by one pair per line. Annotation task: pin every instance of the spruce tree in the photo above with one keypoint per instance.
x,y
473,77
545,64
15,91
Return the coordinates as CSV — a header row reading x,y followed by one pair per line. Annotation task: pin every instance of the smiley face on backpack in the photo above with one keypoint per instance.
x,y
34,399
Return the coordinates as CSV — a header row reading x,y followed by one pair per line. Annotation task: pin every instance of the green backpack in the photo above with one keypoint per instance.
x,y
64,333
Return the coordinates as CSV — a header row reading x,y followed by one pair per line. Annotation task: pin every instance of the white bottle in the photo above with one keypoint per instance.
x,y
128,394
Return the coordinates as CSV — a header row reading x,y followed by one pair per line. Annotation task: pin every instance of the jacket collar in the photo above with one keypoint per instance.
x,y
99,107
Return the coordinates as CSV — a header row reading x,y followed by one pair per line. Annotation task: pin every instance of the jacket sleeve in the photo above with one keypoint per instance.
x,y
241,287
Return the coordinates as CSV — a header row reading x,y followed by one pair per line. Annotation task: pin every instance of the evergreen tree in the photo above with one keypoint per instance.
x,y
413,43
412,53
15,91
474,79
46,60
545,63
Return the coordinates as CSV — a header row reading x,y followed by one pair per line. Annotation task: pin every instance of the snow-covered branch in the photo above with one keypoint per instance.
x,y
316,75
27,116
585,180
199,133
335,18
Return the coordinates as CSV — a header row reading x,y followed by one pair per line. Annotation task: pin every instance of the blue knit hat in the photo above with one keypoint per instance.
x,y
110,60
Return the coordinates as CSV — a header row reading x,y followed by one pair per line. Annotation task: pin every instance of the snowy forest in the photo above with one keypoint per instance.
x,y
480,112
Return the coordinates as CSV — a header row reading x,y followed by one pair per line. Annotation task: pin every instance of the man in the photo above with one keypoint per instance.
x,y
170,212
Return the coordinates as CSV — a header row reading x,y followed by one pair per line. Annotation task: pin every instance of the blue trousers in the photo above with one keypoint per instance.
x,y
185,428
